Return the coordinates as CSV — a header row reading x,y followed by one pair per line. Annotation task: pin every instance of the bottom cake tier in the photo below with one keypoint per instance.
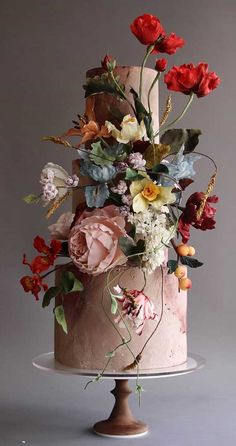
x,y
92,331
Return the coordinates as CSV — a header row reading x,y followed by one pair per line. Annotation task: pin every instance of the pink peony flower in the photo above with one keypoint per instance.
x,y
60,230
138,308
93,241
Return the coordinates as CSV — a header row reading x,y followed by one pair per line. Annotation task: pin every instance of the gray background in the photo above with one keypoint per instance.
x,y
46,47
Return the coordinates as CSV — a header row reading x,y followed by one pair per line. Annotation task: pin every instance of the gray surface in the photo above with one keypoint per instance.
x,y
47,46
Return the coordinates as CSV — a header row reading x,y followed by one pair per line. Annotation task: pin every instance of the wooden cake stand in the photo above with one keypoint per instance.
x,y
121,423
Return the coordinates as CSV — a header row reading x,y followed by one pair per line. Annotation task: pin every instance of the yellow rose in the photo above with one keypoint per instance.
x,y
150,191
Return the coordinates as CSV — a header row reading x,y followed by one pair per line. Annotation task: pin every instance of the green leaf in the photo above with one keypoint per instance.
x,y
132,231
127,245
103,84
133,175
100,156
172,217
139,388
32,198
116,198
131,249
160,168
69,283
148,124
175,138
189,261
142,113
172,265
60,317
78,286
140,246
110,354
114,305
49,295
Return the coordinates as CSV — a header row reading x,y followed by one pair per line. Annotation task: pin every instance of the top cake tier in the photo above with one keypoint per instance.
x,y
106,104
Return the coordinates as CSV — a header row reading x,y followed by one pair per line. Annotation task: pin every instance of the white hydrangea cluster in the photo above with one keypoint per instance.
x,y
153,227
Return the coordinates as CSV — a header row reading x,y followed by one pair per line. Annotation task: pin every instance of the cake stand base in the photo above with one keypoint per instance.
x,y
121,422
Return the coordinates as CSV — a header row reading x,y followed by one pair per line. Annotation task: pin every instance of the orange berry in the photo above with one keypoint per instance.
x,y
185,284
191,251
180,272
182,250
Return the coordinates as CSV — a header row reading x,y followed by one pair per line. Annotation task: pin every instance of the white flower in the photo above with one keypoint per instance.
x,y
136,160
49,191
121,188
153,227
47,176
56,176
131,130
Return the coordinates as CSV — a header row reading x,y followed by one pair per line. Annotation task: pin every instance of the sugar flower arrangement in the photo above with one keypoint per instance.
x,y
133,209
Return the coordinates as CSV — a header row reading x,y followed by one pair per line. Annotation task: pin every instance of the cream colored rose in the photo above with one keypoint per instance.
x,y
93,241
60,230
131,130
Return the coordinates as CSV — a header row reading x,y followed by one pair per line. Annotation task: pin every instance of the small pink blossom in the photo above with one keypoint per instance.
x,y
124,210
136,160
72,181
121,166
127,200
50,191
137,307
121,188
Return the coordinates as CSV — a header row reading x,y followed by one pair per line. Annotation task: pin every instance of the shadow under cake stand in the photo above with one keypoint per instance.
x,y
121,423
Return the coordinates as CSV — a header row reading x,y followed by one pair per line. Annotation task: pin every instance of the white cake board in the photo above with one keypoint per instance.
x,y
105,428
48,363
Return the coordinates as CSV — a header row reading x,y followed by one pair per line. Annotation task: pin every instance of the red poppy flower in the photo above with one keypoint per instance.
x,y
147,28
189,79
169,44
188,217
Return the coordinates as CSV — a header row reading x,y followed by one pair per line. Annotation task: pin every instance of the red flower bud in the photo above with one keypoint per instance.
x,y
147,28
108,63
161,65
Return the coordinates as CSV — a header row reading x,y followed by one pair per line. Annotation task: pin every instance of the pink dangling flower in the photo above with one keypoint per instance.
x,y
137,307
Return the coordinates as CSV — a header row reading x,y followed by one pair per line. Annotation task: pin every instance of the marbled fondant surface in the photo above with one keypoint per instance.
x,y
91,335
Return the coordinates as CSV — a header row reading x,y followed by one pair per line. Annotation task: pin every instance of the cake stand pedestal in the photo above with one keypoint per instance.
x,y
121,423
